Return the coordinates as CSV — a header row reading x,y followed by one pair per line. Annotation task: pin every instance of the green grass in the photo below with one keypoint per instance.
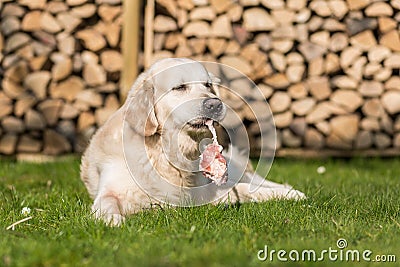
x,y
357,200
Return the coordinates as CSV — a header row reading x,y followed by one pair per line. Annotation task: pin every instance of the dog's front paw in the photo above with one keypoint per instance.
x,y
295,194
106,208
110,219
114,220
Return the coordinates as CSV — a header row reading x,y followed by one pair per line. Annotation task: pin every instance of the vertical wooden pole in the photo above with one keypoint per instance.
x,y
148,33
130,44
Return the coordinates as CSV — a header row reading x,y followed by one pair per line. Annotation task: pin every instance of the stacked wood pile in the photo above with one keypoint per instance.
x,y
60,68
329,69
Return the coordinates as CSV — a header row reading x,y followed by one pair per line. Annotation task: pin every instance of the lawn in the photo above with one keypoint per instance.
x,y
357,200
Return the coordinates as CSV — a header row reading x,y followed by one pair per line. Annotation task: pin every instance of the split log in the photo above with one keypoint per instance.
x,y
67,89
279,102
37,82
34,120
54,143
29,144
8,144
51,110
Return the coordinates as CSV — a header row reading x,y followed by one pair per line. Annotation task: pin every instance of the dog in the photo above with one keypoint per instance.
x,y
147,152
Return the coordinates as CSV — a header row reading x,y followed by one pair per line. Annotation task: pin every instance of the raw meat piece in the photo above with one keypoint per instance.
x,y
212,163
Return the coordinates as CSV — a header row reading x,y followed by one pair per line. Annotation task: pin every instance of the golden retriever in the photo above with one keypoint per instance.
x,y
147,152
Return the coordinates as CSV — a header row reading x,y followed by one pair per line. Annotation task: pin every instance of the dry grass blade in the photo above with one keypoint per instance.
x,y
12,226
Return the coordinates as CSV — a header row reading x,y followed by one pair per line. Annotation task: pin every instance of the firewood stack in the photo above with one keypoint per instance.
x,y
329,69
60,68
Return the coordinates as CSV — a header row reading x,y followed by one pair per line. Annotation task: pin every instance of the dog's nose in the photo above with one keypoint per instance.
x,y
213,105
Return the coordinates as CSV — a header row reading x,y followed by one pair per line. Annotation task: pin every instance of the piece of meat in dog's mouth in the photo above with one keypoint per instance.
x,y
212,163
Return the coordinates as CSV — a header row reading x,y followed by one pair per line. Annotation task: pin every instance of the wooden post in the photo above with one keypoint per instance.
x,y
130,44
148,33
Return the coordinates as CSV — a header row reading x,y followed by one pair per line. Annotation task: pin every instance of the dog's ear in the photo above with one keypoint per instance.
x,y
215,81
140,114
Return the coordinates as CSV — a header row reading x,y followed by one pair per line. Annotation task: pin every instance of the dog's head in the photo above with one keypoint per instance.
x,y
174,94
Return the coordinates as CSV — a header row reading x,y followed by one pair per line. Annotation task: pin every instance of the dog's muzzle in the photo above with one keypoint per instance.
x,y
213,108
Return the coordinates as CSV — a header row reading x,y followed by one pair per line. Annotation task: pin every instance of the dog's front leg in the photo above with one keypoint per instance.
x,y
106,207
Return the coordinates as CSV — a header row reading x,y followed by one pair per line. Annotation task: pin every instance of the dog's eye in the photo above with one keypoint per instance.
x,y
181,87
208,85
